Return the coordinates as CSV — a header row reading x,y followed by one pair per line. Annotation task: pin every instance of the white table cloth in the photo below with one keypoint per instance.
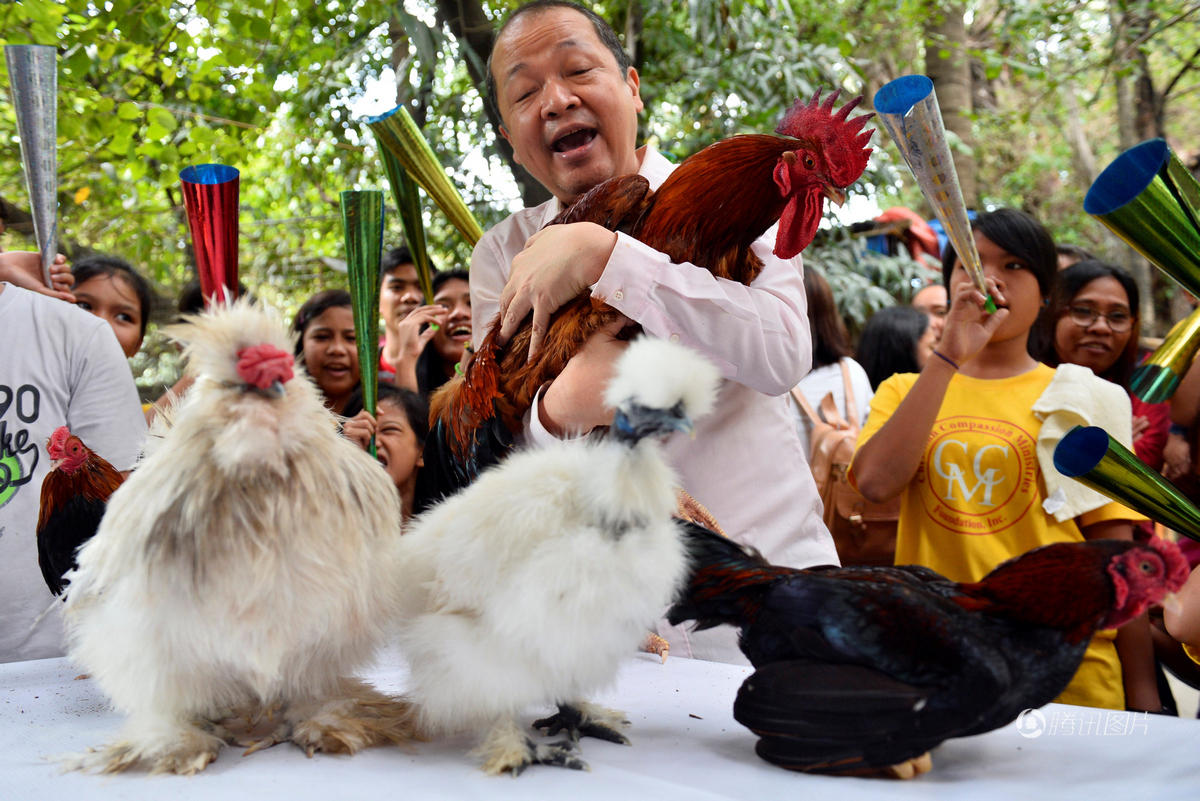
x,y
685,745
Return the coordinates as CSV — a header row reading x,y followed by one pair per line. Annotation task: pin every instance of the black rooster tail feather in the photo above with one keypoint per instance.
x,y
726,581
818,717
445,472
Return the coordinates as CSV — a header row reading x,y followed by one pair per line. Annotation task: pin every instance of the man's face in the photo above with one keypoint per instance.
x,y
399,294
569,112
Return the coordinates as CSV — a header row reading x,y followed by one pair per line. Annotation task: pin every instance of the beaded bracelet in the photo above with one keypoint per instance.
x,y
946,359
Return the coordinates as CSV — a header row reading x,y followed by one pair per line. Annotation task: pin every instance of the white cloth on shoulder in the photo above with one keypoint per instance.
x,y
1076,397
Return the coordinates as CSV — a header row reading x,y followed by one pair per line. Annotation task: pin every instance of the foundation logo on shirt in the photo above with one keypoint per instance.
x,y
979,475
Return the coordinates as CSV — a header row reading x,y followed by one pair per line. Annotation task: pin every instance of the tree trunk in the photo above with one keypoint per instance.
x,y
947,66
1130,21
474,32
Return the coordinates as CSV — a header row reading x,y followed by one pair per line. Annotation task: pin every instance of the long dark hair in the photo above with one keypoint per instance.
x,y
830,341
1069,283
100,264
1019,234
888,344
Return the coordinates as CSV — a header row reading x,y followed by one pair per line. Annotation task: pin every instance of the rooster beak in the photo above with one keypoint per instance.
x,y
273,390
836,196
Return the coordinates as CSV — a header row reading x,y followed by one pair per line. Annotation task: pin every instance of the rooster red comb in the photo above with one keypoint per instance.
x,y
263,365
57,441
843,140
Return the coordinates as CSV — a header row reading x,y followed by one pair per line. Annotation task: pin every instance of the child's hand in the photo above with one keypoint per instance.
x,y
23,268
968,327
359,429
412,339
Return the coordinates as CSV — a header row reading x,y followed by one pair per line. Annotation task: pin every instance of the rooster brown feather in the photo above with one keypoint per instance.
x,y
74,496
708,212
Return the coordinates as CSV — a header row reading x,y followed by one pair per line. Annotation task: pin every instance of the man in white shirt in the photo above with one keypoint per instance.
x,y
569,101
61,366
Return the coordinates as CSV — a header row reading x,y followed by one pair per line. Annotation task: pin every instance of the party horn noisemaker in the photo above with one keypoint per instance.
x,y
362,221
1150,200
908,108
1089,455
210,195
398,132
33,78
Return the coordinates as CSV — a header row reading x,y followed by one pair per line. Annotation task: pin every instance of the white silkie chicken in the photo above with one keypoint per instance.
x,y
530,586
245,569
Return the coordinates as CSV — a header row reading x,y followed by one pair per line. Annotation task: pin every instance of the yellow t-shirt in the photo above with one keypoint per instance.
x,y
976,499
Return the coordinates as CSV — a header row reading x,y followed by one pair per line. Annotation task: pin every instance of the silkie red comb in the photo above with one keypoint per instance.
x,y
263,365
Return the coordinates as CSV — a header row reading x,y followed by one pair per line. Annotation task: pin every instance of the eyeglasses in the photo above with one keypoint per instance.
x,y
1084,316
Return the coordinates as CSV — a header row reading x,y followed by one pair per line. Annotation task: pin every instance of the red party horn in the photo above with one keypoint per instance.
x,y
210,195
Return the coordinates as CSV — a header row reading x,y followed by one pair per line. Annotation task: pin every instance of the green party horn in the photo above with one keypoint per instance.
x,y
407,195
398,133
1090,456
362,220
1148,198
1156,379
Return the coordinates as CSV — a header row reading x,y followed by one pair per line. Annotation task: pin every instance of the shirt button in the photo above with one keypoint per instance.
x,y
674,337
618,295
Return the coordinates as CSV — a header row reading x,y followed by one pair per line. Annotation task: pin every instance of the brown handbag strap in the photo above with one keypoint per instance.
x,y
806,406
851,407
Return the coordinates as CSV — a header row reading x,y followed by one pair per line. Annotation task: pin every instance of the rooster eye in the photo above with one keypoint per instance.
x,y
809,161
1147,567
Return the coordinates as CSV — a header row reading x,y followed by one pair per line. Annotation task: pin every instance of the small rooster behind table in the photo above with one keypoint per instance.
x,y
531,585
74,495
864,670
243,571
708,212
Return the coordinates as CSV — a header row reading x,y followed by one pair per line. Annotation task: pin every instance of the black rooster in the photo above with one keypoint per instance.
x,y
864,670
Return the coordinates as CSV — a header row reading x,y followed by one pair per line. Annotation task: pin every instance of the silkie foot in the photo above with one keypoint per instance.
x,y
507,750
586,720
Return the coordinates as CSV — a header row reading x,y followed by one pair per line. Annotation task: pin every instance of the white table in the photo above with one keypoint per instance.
x,y
685,745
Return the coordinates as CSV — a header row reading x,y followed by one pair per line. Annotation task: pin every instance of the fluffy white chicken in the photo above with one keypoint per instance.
x,y
530,586
246,568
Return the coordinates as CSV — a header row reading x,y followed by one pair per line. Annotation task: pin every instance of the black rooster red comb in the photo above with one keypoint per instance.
x,y
56,444
843,140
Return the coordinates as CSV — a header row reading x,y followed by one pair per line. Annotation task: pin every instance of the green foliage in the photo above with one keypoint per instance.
x,y
863,281
147,87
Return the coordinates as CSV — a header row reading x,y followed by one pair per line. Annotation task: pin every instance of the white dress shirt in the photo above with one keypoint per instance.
x,y
745,463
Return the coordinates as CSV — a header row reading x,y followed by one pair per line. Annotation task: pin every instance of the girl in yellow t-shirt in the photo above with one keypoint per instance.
x,y
957,443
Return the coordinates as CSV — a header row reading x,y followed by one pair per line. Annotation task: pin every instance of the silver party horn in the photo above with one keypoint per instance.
x,y
908,109
33,79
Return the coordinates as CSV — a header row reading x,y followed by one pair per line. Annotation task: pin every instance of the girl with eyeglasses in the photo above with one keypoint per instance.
x,y
1092,321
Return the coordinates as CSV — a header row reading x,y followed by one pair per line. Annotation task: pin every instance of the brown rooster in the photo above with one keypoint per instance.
x,y
74,495
708,213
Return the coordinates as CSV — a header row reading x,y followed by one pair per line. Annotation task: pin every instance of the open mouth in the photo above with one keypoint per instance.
x,y
580,137
462,331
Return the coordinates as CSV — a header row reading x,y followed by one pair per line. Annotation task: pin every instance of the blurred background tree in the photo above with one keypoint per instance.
x,y
1038,96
